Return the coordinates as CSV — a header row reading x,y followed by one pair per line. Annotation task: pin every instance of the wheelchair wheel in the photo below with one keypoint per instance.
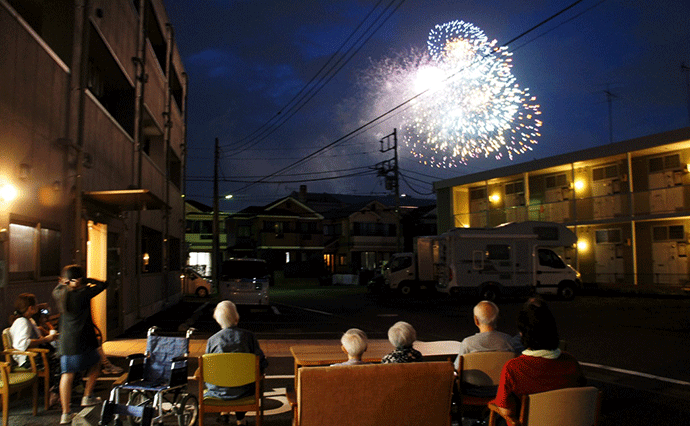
x,y
188,411
137,398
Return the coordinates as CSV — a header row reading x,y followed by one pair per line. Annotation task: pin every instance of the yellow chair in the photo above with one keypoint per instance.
x,y
230,370
42,372
15,381
562,407
479,370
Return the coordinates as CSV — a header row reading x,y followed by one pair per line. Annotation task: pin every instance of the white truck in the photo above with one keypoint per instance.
x,y
510,259
407,273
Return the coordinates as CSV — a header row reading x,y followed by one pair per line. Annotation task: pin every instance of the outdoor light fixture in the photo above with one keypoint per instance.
x,y
579,185
8,192
495,198
582,245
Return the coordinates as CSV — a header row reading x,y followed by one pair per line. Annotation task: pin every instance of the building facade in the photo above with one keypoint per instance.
x,y
199,236
282,232
92,132
628,203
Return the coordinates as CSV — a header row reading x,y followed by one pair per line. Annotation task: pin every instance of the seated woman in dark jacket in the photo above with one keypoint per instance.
x,y
232,339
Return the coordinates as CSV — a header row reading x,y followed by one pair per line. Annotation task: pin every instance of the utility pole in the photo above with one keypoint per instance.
x,y
389,170
686,70
609,99
214,255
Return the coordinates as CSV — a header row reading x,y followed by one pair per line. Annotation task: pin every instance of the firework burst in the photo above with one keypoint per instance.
x,y
471,107
474,108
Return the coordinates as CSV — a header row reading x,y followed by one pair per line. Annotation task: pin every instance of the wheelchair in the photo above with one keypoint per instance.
x,y
156,385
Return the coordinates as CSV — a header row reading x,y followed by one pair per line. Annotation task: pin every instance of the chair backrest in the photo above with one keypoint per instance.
x,y
563,407
7,345
230,369
417,393
483,368
161,351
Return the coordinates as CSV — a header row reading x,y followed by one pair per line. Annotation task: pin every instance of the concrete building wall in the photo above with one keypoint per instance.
x,y
64,137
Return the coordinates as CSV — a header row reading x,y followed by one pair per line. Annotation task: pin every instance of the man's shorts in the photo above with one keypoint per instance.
x,y
81,362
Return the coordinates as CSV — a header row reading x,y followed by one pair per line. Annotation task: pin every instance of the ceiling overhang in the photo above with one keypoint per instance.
x,y
126,199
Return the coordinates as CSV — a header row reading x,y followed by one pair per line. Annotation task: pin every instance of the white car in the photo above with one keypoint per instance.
x,y
244,281
194,283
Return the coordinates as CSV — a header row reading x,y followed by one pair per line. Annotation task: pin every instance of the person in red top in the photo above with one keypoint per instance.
x,y
541,367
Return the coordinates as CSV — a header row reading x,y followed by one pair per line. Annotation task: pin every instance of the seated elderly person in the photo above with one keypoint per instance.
x,y
541,367
232,339
402,335
488,339
353,343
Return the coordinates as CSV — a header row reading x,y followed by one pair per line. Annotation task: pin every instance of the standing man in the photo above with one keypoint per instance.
x,y
488,339
78,345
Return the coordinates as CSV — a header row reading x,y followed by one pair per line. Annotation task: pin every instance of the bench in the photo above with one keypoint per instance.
x,y
374,395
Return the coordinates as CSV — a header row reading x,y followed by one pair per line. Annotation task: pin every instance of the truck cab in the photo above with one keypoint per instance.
x,y
401,274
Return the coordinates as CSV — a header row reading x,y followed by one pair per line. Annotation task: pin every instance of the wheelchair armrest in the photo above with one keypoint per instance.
x,y
178,371
137,364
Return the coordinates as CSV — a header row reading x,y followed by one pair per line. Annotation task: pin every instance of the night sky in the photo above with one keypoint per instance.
x,y
277,81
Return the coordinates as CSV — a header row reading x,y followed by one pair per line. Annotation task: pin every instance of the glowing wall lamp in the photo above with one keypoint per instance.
x,y
579,185
8,192
495,198
582,245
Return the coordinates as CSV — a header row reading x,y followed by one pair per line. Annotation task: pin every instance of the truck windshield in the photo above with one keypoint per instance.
x,y
550,259
398,263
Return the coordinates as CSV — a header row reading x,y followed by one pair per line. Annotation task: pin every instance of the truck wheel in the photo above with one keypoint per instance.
x,y
405,288
201,292
489,293
566,291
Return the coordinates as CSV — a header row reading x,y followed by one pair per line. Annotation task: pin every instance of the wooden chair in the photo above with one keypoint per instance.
x,y
479,370
42,371
563,407
230,370
15,381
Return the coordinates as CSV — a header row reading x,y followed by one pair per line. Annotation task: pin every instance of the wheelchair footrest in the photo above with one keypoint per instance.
x,y
110,409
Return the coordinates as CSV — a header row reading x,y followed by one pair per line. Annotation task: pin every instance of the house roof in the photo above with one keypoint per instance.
x,y
199,207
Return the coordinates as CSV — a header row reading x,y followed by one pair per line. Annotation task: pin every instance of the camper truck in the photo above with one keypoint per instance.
x,y
510,259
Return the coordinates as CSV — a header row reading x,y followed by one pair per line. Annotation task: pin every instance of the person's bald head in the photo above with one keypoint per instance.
x,y
486,314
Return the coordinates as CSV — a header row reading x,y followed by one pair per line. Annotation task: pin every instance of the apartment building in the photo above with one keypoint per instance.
x,y
628,203
92,133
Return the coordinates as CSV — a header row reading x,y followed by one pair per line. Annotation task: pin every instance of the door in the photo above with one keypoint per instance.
x,y
670,262
114,274
96,267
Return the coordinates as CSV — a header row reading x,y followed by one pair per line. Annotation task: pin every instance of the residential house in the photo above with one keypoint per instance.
x,y
281,232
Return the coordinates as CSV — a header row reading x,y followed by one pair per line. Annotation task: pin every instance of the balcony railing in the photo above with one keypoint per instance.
x,y
662,201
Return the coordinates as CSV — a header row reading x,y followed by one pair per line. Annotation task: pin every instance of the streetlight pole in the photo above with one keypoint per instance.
x,y
216,228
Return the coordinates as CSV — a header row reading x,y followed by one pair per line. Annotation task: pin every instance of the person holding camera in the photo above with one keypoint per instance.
x,y
26,334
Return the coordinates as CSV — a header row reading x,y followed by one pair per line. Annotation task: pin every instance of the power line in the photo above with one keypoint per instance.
x,y
313,90
372,173
396,108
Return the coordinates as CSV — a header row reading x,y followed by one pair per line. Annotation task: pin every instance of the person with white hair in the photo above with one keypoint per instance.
x,y
232,339
353,343
488,339
402,335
